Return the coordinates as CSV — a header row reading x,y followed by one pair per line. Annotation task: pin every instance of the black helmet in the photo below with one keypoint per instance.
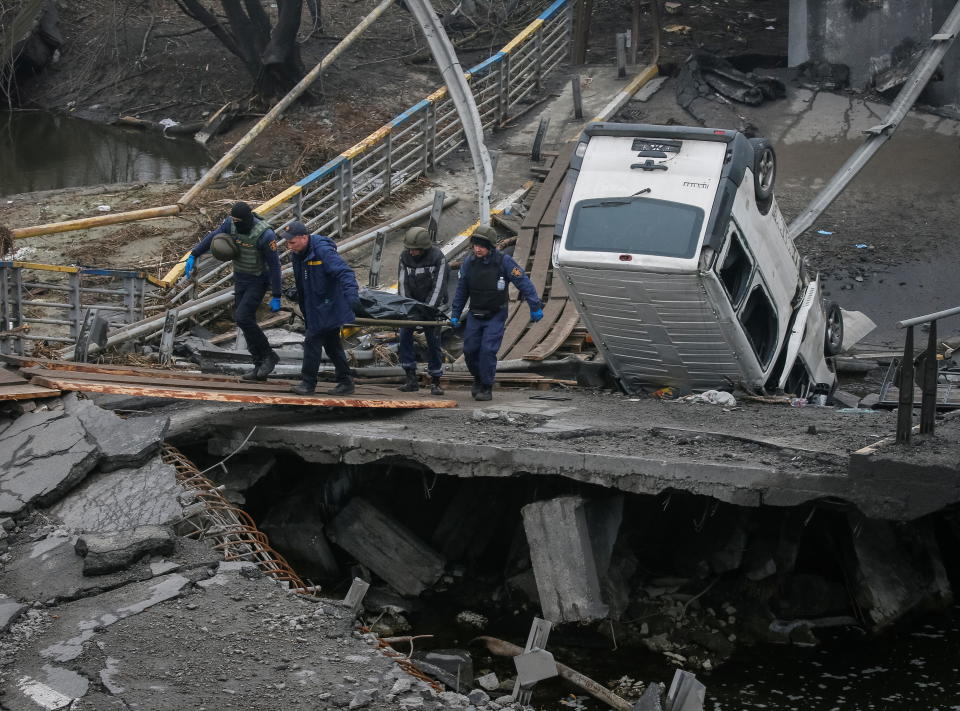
x,y
417,238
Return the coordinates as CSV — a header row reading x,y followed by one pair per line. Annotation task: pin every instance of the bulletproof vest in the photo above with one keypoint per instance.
x,y
422,274
249,259
485,298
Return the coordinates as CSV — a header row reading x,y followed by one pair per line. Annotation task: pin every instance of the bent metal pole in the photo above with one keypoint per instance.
x,y
225,161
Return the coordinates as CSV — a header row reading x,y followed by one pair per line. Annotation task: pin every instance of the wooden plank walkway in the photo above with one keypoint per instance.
x,y
48,378
534,250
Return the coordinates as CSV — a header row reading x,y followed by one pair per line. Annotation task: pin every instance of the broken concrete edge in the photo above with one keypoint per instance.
x,y
738,484
104,553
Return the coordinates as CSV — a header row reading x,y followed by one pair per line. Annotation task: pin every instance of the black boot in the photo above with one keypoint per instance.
x,y
412,384
344,387
435,388
269,363
485,393
254,375
475,388
303,388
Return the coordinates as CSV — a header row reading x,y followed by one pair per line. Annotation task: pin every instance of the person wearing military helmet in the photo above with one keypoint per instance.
x,y
249,242
423,276
483,280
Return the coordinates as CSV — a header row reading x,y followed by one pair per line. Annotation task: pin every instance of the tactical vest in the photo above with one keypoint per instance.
x,y
485,298
249,259
422,274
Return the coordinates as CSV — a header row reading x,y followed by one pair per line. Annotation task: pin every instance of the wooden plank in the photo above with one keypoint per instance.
x,y
541,261
8,377
180,393
26,391
538,331
146,380
565,324
558,288
121,370
550,185
549,217
521,252
516,322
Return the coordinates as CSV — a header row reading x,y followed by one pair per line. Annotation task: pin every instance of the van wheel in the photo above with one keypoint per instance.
x,y
833,338
764,172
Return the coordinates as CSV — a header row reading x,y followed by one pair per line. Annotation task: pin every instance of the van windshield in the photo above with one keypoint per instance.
x,y
635,225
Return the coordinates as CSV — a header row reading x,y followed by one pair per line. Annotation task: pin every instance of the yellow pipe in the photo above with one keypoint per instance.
x,y
85,223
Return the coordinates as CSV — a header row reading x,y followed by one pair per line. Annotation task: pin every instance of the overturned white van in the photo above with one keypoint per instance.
x,y
670,242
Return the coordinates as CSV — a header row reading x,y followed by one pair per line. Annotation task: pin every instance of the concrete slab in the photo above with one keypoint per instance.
x,y
122,499
51,570
386,547
79,620
563,560
123,443
52,687
10,610
42,456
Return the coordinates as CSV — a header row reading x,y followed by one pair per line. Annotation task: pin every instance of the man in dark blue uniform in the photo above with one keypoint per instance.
x,y
483,278
423,275
327,292
247,240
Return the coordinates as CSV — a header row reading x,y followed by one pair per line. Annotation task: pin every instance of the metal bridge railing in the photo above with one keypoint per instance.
x,y
331,198
30,309
928,379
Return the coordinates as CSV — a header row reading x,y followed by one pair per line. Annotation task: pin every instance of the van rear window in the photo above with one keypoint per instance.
x,y
635,225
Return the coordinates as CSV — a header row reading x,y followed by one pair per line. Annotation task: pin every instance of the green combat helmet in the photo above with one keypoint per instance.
x,y
224,248
417,238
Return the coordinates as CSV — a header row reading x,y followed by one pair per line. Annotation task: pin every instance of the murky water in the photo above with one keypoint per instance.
x,y
912,667
44,151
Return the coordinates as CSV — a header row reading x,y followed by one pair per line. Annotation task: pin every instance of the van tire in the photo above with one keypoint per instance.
x,y
764,172
833,335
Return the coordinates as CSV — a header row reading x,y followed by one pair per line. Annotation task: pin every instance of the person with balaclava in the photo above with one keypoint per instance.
x,y
248,241
484,276
327,291
423,276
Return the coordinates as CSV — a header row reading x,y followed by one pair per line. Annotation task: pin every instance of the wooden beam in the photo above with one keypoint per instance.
x,y
25,391
278,398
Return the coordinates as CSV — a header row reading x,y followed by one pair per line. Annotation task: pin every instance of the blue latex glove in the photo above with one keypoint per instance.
x,y
455,321
275,303
188,267
536,315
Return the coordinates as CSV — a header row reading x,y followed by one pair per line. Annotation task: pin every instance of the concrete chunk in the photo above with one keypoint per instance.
x,y
122,442
898,568
106,553
386,547
42,456
563,559
10,610
122,499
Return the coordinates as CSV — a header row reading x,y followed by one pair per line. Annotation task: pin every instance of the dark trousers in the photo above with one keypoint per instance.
x,y
329,341
248,292
408,357
481,341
